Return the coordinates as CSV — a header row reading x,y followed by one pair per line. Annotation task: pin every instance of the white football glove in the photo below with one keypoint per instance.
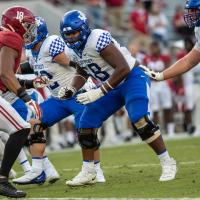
x,y
89,96
158,76
41,82
35,108
66,92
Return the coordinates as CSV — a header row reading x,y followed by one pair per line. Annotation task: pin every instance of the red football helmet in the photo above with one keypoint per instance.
x,y
22,21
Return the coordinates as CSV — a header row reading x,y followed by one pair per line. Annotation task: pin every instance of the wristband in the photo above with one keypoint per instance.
x,y
22,94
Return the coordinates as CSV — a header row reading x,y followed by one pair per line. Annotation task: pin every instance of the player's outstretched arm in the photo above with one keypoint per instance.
x,y
183,65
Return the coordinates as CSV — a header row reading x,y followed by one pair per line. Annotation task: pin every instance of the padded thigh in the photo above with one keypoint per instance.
x,y
95,113
136,94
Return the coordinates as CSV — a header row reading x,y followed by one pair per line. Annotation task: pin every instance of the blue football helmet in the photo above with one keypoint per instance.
x,y
75,22
192,15
42,32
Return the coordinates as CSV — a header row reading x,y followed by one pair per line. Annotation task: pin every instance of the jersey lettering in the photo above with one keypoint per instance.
x,y
98,74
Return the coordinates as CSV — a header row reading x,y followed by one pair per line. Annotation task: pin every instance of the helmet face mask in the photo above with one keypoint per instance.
x,y
74,29
40,31
30,34
192,14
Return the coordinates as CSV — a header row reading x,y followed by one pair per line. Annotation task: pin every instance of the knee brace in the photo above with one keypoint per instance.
x,y
88,138
37,138
146,129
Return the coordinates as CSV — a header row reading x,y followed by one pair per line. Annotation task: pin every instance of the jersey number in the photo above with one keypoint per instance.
x,y
54,85
96,70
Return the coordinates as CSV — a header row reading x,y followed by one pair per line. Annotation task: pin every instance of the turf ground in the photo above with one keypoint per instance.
x,y
131,171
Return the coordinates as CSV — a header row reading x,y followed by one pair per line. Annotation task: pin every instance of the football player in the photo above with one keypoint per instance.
x,y
122,83
18,27
31,81
190,60
47,55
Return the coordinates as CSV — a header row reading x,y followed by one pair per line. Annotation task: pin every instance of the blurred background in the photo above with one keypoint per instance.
x,y
156,34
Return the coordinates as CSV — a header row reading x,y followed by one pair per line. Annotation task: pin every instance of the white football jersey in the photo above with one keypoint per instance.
x,y
91,60
197,35
42,63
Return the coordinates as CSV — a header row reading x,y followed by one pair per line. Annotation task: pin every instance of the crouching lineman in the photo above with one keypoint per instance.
x,y
48,55
123,83
30,81
18,27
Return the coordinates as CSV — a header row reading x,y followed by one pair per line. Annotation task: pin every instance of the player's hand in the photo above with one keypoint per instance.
x,y
158,76
89,96
66,92
41,82
35,108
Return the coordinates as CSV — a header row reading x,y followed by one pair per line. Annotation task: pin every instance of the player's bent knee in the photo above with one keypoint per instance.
x,y
88,138
146,129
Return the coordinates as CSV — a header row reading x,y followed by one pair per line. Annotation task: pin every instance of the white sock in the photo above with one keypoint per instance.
x,y
37,164
97,166
46,163
23,160
171,129
164,156
89,165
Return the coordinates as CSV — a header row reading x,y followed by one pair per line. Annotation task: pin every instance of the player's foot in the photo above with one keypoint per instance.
x,y
31,177
8,190
12,174
84,177
100,176
51,174
169,170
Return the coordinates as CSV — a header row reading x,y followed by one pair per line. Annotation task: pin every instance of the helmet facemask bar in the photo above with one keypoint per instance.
x,y
31,32
192,17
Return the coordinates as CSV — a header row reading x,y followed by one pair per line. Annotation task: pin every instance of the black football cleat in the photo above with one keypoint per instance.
x,y
8,190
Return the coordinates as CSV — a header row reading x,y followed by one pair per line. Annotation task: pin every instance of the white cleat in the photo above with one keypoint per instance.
x,y
100,176
12,174
84,177
169,170
51,174
31,177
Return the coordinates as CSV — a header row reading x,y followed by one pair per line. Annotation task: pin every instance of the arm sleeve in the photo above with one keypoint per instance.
x,y
57,46
26,68
12,40
103,41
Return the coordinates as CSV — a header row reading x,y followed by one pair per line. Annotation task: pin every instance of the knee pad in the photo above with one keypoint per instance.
x,y
146,129
37,138
88,138
39,127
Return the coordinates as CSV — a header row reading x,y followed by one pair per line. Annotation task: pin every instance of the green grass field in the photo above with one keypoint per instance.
x,y
131,171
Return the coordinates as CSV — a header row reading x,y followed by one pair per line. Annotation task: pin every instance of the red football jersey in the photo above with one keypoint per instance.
x,y
14,41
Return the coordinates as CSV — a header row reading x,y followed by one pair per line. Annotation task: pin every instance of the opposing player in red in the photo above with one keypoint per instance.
x,y
18,27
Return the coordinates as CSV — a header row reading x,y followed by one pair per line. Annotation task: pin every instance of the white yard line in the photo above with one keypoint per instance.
x,y
71,198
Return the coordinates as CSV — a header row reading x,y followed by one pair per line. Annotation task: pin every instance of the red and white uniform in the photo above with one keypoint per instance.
x,y
10,120
161,95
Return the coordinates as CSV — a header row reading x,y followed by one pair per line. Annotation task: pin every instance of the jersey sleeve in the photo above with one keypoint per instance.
x,y
197,35
12,40
57,46
103,41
